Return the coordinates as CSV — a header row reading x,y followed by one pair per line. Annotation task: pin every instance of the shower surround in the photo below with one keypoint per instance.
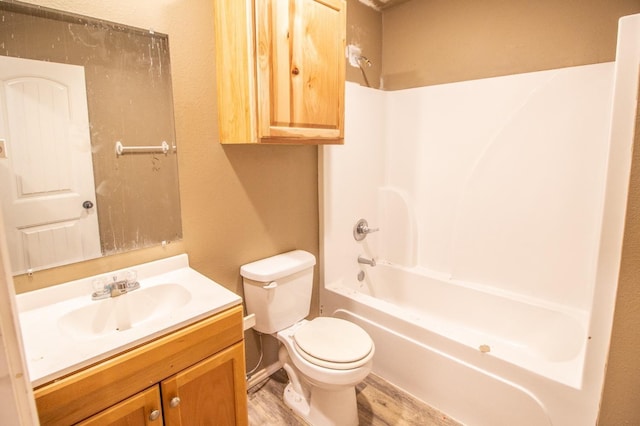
x,y
500,204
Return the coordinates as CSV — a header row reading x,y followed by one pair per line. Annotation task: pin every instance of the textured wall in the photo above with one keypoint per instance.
x,y
436,41
364,30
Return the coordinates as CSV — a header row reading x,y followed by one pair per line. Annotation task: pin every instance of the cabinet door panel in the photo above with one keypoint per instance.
x,y
212,392
301,68
134,411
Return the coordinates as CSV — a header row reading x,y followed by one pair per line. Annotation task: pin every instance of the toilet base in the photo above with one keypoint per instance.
x,y
295,401
326,407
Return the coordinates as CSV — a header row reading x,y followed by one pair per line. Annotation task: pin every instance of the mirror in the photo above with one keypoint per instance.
x,y
71,87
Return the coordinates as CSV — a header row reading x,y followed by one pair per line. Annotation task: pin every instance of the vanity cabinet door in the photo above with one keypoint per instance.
x,y
210,392
280,70
142,409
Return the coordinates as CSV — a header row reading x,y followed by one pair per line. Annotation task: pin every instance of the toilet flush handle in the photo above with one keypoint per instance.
x,y
270,285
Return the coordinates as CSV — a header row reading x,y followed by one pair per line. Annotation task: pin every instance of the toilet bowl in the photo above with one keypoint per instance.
x,y
325,357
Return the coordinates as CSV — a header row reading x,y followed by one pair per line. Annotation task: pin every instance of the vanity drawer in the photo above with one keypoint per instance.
x,y
79,395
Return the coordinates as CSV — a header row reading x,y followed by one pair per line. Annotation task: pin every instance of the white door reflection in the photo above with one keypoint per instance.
x,y
46,174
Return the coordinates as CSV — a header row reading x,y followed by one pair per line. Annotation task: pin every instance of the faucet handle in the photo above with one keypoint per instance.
x,y
367,230
101,288
361,229
131,278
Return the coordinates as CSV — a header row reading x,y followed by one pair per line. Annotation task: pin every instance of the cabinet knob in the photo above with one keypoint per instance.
x,y
154,415
295,71
175,401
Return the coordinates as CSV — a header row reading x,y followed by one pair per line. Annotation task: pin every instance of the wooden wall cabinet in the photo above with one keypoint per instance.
x,y
195,375
280,70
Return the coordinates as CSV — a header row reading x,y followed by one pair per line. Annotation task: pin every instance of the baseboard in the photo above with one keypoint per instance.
x,y
262,374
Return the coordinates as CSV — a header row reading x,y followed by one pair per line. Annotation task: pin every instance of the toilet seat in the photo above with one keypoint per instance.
x,y
333,343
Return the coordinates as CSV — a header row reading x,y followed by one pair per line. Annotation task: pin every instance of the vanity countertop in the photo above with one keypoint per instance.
x,y
58,323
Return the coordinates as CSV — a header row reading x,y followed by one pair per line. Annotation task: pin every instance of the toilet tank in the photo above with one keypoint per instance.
x,y
278,289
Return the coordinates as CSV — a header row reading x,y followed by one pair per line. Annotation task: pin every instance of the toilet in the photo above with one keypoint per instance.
x,y
325,357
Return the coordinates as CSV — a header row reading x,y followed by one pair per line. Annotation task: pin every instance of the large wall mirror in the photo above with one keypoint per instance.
x,y
71,87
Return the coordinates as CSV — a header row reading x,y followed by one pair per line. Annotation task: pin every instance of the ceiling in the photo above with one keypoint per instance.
x,y
382,4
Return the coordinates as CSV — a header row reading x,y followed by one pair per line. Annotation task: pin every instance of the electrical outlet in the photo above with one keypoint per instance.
x,y
3,149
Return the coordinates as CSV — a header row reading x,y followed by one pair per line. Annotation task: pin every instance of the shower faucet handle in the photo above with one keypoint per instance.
x,y
361,229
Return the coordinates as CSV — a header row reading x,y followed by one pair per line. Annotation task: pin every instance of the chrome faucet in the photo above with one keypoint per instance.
x,y
118,288
115,288
365,261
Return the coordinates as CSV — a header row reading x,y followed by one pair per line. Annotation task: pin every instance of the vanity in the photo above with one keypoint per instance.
x,y
170,352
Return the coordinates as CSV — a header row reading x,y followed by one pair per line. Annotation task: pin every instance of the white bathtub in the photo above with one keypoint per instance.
x,y
482,358
452,177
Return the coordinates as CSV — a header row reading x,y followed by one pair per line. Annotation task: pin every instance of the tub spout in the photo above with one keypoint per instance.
x,y
365,261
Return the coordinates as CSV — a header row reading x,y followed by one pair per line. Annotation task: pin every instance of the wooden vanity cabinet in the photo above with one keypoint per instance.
x,y
195,375
206,393
139,410
280,70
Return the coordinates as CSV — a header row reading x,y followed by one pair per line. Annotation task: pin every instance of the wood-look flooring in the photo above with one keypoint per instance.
x,y
379,403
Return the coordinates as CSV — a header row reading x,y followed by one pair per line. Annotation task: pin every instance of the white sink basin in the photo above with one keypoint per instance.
x,y
64,330
121,313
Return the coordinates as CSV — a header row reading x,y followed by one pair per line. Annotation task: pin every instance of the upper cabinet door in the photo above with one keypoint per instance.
x,y
280,70
301,68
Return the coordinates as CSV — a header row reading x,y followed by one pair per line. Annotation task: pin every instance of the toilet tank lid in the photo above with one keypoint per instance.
x,y
276,267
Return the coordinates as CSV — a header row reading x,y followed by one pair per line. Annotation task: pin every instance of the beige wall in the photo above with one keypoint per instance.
x,y
364,30
429,42
438,41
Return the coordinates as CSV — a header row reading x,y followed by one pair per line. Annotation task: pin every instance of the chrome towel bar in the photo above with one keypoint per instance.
x,y
121,149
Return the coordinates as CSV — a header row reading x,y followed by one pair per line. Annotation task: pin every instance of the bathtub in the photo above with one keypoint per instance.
x,y
481,357
451,177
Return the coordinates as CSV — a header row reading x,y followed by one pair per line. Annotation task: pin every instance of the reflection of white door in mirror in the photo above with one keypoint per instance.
x,y
47,175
